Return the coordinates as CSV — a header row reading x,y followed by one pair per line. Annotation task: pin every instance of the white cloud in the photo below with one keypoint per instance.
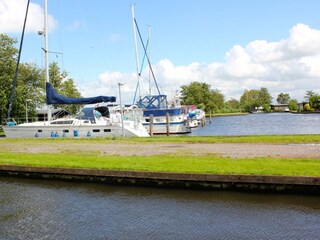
x,y
289,65
12,14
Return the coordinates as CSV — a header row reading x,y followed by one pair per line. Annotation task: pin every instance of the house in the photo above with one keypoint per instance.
x,y
279,107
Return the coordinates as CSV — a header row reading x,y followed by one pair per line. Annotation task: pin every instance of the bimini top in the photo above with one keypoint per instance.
x,y
55,98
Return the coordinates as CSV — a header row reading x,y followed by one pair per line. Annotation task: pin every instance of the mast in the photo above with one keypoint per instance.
x,y
17,65
149,30
136,48
46,57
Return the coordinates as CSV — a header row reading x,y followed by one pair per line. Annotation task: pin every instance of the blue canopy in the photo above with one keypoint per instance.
x,y
55,98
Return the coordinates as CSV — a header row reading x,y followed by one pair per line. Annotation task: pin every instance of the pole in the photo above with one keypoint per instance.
x,y
26,111
167,123
17,66
121,109
136,49
46,57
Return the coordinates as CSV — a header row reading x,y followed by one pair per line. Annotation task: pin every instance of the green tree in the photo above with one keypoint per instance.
x,y
293,105
233,105
309,94
8,56
252,99
201,95
283,98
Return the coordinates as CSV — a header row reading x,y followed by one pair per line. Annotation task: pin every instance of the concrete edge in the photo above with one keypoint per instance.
x,y
165,179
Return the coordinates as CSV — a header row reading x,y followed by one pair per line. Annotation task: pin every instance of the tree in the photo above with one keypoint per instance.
x,y
233,105
252,99
293,105
8,56
309,94
283,98
200,94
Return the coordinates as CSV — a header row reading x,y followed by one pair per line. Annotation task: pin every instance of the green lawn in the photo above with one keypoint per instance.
x,y
168,163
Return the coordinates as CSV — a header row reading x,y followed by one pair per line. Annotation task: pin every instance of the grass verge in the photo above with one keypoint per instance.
x,y
168,163
278,139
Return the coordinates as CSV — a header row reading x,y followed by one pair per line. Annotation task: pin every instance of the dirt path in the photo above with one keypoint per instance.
x,y
234,150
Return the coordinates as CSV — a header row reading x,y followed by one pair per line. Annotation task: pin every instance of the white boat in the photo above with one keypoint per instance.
x,y
197,117
93,121
163,118
159,115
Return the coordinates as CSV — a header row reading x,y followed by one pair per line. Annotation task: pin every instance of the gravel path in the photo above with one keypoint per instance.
x,y
234,150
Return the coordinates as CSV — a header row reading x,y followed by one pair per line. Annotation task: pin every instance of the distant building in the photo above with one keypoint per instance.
x,y
279,107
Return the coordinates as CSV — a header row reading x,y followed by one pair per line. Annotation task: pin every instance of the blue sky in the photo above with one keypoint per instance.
x,y
233,45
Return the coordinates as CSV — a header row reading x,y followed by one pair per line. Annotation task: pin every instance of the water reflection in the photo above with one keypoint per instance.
x,y
31,209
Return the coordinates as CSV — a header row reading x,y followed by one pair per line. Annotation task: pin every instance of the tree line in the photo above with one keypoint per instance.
x,y
212,100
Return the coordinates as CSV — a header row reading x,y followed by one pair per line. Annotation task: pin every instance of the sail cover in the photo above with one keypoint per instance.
x,y
55,98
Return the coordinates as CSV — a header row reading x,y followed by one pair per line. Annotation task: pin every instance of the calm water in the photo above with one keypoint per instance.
x,y
31,209
256,124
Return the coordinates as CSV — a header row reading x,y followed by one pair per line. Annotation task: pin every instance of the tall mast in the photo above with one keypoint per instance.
x,y
149,29
136,48
46,58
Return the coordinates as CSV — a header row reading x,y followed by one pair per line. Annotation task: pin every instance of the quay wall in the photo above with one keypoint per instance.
x,y
261,183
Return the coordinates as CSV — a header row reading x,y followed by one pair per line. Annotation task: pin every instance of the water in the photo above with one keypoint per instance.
x,y
260,124
31,209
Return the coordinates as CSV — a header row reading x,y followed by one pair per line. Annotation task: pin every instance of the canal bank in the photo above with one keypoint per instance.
x,y
256,183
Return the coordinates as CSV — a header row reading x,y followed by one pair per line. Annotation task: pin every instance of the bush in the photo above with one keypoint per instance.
x,y
307,107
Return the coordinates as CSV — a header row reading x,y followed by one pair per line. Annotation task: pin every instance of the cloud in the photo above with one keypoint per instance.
x,y
289,65
10,23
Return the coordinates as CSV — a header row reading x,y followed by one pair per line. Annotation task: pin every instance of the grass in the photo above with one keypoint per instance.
x,y
181,162
283,139
169,163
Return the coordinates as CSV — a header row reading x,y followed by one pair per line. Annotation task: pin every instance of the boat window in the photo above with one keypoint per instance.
x,y
39,130
107,130
65,130
62,122
96,130
103,110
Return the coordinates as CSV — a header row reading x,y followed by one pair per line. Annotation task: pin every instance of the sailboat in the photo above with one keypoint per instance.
x,y
166,117
94,120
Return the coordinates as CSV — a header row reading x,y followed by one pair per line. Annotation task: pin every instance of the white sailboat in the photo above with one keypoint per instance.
x,y
164,116
95,120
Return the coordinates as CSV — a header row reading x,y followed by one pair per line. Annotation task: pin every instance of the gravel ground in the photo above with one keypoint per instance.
x,y
234,150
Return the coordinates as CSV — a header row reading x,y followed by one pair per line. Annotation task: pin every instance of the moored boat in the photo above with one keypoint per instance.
x,y
93,121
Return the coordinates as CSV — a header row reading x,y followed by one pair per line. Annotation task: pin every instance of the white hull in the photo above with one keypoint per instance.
x,y
76,127
174,128
19,131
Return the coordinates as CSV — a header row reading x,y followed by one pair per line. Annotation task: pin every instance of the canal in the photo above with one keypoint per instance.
x,y
34,209
260,124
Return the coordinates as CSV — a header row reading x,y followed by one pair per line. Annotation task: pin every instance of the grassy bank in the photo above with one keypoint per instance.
x,y
168,163
174,162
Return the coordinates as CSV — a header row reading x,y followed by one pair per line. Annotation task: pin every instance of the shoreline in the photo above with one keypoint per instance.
x,y
211,182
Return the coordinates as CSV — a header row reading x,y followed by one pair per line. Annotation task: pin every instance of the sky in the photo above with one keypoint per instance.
x,y
233,45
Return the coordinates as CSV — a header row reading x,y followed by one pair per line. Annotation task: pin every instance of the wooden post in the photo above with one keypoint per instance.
x,y
151,125
210,120
167,123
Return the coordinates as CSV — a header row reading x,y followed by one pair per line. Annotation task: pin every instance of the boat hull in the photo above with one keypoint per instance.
x,y
174,128
20,131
